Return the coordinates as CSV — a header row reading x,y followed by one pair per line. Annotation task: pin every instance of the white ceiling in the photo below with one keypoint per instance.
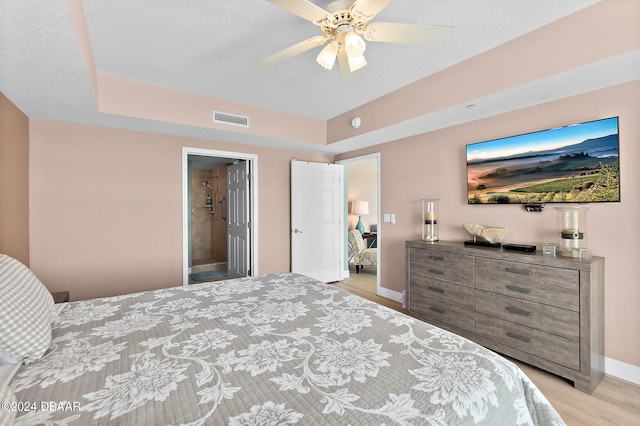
x,y
207,47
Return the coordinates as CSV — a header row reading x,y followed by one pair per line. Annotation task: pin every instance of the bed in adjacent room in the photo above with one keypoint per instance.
x,y
273,349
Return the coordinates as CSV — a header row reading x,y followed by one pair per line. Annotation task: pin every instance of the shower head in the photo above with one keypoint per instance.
x,y
206,183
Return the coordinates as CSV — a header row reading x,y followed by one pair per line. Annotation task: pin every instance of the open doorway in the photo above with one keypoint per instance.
x,y
215,245
209,216
362,186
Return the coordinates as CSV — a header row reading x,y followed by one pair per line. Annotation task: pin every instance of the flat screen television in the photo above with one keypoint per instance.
x,y
571,164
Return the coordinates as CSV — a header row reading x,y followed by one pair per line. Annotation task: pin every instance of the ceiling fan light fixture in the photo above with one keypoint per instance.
x,y
354,44
345,26
357,62
327,56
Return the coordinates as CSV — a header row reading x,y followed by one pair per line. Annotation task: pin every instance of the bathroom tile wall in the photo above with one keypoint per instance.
x,y
200,217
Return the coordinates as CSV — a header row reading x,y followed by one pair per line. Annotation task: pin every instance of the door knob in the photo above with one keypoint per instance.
x,y
297,231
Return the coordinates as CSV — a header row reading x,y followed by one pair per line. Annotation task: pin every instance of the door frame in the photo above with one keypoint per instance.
x,y
253,203
375,156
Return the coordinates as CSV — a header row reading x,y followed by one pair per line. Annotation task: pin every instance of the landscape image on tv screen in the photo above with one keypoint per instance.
x,y
572,164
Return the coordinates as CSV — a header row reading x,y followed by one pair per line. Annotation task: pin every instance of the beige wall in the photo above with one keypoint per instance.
x,y
106,215
14,181
433,164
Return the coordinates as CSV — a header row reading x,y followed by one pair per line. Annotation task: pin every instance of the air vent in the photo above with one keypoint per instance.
x,y
231,119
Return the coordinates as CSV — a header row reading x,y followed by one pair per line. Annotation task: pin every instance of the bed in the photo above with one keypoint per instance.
x,y
268,350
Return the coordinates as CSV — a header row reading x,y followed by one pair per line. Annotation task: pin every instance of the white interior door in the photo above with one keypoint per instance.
x,y
317,220
238,220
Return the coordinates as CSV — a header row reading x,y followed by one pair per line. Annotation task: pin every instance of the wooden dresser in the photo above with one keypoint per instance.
x,y
547,312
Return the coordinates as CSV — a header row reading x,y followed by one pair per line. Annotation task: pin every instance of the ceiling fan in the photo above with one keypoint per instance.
x,y
343,24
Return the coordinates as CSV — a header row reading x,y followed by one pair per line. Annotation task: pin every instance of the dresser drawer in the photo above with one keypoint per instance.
x,y
553,348
430,308
558,321
544,284
444,266
442,290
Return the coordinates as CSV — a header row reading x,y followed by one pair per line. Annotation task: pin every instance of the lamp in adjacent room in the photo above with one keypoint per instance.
x,y
359,208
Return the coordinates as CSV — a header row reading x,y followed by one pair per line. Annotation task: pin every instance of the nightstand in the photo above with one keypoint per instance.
x,y
60,296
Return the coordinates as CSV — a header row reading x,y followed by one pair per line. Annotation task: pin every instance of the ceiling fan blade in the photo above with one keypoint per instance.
x,y
370,8
291,51
393,32
343,61
302,8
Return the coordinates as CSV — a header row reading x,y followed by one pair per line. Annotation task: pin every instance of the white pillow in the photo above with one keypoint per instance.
x,y
26,313
7,398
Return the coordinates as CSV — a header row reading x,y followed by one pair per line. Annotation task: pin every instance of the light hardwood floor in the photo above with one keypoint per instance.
x,y
614,402
365,280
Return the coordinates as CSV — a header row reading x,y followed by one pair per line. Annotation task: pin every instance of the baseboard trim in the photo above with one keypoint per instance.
x,y
622,370
390,294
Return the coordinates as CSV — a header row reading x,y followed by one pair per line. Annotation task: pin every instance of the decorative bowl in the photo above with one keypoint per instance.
x,y
492,234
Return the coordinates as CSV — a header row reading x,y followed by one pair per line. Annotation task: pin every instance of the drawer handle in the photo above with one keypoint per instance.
x,y
440,258
518,289
519,337
437,272
437,310
436,290
518,271
518,311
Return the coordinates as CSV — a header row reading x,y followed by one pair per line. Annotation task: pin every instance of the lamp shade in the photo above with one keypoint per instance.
x,y
355,63
359,207
354,44
327,56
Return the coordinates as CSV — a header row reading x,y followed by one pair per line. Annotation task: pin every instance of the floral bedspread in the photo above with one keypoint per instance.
x,y
271,350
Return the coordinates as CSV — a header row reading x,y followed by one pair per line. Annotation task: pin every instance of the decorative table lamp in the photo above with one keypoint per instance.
x,y
430,219
360,208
